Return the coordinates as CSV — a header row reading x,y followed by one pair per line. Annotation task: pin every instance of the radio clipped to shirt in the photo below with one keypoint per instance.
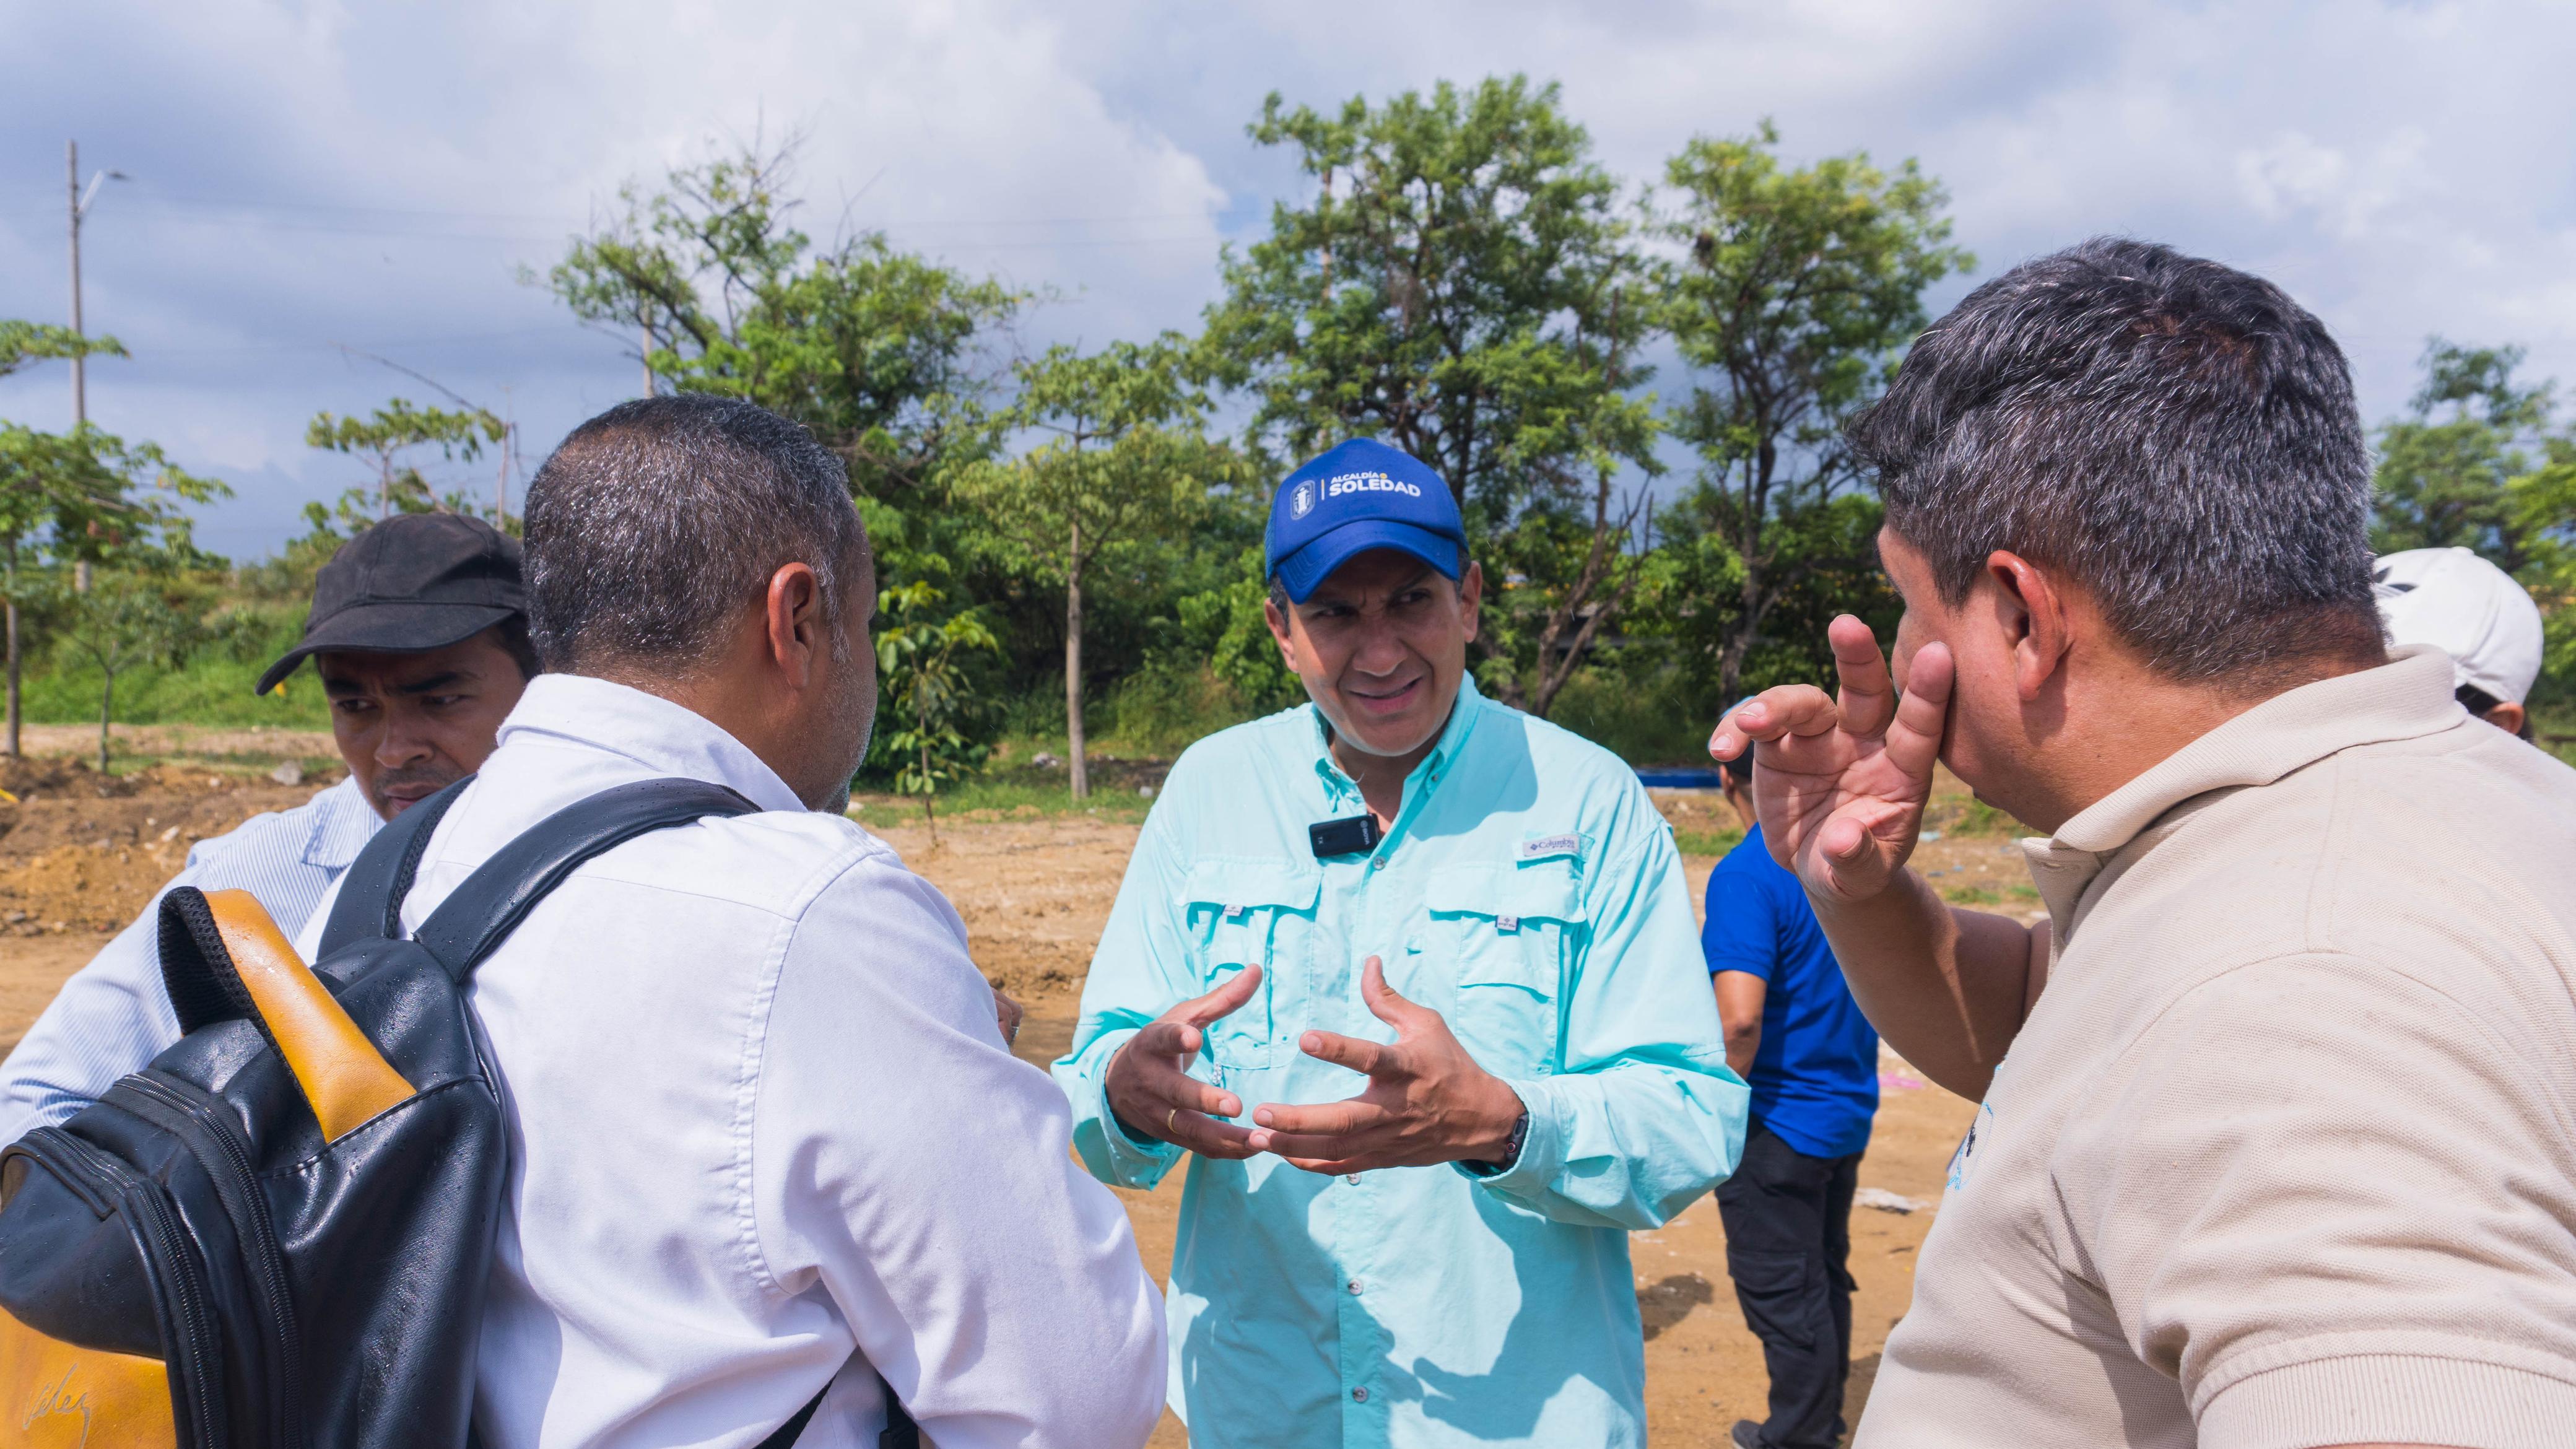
x,y
1355,835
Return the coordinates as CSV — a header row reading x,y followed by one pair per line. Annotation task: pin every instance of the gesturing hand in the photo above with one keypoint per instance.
x,y
1841,783
1006,1015
1427,1100
1151,1091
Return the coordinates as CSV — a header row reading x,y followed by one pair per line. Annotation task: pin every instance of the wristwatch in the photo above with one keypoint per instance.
x,y
1511,1150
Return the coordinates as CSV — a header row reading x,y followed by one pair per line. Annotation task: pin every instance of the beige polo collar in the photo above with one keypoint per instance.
x,y
2408,697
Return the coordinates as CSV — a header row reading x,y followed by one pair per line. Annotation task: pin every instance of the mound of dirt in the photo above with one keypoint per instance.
x,y
83,852
1034,895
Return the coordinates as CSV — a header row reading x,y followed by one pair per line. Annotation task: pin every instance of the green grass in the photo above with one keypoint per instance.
x,y
1968,895
1017,793
207,691
1966,815
1691,841
2554,730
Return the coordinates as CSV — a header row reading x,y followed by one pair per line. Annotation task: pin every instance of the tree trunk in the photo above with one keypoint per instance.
x,y
1730,664
14,711
106,706
9,563
929,793
1073,670
1760,593
1752,602
1608,577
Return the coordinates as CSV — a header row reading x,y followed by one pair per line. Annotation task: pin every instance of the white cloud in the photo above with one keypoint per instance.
x,y
321,172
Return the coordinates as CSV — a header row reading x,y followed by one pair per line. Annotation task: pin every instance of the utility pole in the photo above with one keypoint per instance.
x,y
509,451
79,207
80,373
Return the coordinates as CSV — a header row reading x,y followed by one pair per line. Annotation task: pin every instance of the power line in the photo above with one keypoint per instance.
x,y
249,209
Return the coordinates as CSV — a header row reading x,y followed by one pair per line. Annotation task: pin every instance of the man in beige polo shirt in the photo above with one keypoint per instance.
x,y
2284,1155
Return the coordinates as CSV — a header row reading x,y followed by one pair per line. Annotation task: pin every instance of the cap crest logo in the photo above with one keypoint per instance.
x,y
1370,482
1302,501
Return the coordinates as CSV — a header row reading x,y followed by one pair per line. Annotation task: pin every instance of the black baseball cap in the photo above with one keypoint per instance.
x,y
421,581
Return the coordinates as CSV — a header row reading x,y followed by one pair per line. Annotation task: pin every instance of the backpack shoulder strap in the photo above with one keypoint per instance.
x,y
501,891
371,893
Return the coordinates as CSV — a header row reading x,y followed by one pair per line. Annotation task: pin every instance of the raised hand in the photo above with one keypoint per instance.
x,y
1150,1089
1840,783
1427,1100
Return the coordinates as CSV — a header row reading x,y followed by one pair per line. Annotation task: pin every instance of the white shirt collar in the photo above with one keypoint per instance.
x,y
666,738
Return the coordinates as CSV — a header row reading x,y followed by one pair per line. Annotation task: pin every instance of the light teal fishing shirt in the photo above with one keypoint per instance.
x,y
1529,892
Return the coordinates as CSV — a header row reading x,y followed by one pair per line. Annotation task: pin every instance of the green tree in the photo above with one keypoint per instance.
x,y
1123,458
1226,627
874,349
22,343
1687,607
122,621
83,497
2544,518
926,692
399,428
1463,285
2447,468
1567,572
1796,289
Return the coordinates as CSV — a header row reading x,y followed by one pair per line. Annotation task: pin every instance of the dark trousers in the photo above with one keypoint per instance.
x,y
1788,1245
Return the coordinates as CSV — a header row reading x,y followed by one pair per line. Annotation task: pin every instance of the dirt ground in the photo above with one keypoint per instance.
x,y
80,855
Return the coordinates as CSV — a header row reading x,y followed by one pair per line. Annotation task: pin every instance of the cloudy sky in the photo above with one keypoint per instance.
x,y
313,177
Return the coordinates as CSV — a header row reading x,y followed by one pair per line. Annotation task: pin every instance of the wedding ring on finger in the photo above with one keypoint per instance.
x,y
1169,1118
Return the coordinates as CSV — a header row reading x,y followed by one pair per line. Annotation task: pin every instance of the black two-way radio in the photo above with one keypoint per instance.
x,y
1356,835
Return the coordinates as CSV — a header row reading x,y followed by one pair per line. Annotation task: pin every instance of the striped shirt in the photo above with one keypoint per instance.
x,y
112,1017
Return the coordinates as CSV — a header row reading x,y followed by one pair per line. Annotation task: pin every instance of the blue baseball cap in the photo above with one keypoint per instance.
x,y
1360,496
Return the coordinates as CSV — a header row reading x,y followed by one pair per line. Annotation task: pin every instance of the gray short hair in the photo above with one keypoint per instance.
x,y
2178,436
656,521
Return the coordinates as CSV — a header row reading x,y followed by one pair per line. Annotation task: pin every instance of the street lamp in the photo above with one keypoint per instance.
x,y
80,204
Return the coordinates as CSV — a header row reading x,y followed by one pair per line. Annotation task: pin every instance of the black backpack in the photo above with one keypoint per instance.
x,y
277,1235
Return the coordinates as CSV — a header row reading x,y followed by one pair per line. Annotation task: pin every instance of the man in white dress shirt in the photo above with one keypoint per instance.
x,y
418,629
765,1135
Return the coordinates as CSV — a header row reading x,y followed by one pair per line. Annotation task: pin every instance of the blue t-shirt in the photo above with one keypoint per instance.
x,y
1815,1076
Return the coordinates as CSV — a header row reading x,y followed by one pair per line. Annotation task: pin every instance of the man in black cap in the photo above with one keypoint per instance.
x,y
419,632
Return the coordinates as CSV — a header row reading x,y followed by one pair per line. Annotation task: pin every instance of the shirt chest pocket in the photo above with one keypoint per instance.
x,y
1254,913
1511,937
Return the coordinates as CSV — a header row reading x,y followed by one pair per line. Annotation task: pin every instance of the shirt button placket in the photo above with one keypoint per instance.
x,y
1363,1346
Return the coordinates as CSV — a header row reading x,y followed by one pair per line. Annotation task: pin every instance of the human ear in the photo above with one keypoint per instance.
x,y
2034,618
1471,596
1281,632
793,607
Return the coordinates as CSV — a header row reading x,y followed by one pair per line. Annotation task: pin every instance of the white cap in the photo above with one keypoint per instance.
x,y
2469,609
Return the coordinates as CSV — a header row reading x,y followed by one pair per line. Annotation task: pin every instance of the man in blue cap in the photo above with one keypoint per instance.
x,y
1415,976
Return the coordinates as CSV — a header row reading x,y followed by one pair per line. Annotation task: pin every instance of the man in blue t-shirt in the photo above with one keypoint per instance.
x,y
1794,1032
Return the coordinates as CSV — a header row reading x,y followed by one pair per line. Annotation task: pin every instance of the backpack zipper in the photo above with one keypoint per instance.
x,y
237,1181
166,1255
73,1179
